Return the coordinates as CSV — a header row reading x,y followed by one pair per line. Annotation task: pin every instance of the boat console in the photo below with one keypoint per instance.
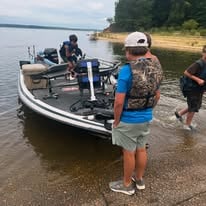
x,y
88,75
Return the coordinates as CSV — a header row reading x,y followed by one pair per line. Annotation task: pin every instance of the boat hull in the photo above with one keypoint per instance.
x,y
51,112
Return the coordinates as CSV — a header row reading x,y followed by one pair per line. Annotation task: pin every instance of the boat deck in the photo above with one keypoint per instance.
x,y
70,99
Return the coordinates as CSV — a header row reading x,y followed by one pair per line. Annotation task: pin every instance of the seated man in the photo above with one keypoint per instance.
x,y
70,52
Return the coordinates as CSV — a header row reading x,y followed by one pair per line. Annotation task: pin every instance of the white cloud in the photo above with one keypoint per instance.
x,y
54,12
95,5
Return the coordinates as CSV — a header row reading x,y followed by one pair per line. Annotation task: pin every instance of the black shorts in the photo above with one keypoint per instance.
x,y
194,100
71,59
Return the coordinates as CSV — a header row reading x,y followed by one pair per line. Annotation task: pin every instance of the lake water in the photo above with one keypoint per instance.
x,y
45,163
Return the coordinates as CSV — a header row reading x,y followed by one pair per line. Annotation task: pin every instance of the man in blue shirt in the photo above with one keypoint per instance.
x,y
131,122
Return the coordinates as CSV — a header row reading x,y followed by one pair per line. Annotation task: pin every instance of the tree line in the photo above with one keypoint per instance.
x,y
131,15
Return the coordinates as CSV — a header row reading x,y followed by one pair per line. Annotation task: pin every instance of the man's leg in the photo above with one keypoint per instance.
x,y
180,114
189,118
141,161
70,69
183,111
194,102
126,185
129,166
70,66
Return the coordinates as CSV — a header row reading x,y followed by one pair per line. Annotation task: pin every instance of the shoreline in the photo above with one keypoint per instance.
x,y
177,42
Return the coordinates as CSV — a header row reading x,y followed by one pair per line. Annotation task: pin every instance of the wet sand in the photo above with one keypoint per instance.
x,y
175,173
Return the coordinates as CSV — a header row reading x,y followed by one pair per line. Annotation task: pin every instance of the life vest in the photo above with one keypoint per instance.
x,y
146,78
62,49
74,49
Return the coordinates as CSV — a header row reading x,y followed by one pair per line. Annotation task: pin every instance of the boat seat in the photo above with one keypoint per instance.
x,y
32,69
54,71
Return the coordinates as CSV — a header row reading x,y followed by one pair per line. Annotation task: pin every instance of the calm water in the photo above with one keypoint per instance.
x,y
45,163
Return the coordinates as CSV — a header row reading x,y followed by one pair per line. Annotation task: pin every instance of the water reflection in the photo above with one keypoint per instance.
x,y
65,148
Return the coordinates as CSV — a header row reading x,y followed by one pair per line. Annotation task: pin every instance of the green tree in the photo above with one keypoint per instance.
x,y
198,12
178,12
160,12
132,15
190,24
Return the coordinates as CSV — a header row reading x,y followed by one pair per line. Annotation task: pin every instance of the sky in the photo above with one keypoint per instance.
x,y
64,13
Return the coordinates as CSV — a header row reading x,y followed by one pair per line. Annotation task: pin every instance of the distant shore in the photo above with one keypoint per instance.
x,y
178,42
21,26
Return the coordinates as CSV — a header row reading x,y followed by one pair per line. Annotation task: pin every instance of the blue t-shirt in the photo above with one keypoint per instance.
x,y
123,86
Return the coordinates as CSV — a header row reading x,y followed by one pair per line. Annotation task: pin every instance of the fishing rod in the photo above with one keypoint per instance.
x,y
31,53
103,60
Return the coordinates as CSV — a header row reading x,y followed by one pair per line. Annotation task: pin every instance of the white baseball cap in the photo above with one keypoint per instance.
x,y
136,39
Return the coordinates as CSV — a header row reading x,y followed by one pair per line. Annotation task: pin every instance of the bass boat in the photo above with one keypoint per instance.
x,y
84,102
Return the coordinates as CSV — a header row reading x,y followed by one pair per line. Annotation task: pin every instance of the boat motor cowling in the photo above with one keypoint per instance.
x,y
51,54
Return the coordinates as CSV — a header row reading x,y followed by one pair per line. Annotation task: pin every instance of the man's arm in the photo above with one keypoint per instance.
x,y
118,107
195,78
157,97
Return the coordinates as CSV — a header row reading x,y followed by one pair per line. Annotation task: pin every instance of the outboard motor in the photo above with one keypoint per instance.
x,y
51,54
